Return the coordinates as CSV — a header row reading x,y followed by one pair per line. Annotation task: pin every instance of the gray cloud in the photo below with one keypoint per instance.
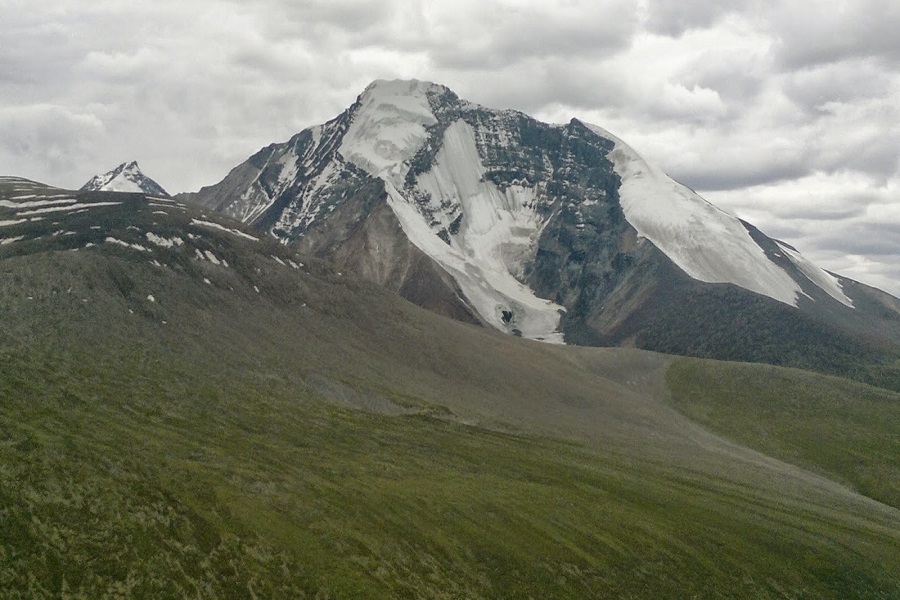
x,y
41,139
864,251
674,18
518,32
820,32
847,81
748,174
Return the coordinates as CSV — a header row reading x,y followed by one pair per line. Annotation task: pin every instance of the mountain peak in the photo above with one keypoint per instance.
x,y
387,88
389,125
127,177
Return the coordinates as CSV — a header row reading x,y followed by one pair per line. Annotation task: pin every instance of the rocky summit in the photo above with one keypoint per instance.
x,y
127,177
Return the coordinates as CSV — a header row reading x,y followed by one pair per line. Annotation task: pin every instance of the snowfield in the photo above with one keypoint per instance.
x,y
498,232
705,242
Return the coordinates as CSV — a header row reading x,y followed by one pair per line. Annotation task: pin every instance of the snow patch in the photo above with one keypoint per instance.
x,y
163,242
35,203
52,209
11,240
223,228
13,222
112,240
207,255
823,279
121,184
212,258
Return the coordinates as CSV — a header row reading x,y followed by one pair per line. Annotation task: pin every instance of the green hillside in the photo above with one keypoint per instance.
x,y
263,426
845,430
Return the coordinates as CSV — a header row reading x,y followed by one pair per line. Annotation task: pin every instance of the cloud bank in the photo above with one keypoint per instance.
x,y
784,113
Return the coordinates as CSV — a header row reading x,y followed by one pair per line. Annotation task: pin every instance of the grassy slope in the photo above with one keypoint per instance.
x,y
242,483
206,444
846,430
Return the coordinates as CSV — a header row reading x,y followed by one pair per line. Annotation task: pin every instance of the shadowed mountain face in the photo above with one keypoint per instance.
x,y
550,232
186,405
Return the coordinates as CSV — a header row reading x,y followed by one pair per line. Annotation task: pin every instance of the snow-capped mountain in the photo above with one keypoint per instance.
x,y
552,232
127,177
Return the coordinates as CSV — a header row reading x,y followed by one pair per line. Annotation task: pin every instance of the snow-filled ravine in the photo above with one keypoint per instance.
x,y
499,227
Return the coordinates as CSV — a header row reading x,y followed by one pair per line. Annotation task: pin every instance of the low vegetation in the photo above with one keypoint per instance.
x,y
715,322
120,480
848,431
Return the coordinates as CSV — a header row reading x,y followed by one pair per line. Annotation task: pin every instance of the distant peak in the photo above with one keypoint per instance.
x,y
127,177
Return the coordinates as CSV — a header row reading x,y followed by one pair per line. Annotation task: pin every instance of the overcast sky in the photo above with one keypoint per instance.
x,y
786,113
